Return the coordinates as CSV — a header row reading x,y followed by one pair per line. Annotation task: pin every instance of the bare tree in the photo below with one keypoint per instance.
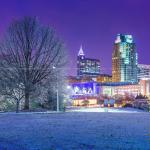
x,y
49,88
32,50
11,86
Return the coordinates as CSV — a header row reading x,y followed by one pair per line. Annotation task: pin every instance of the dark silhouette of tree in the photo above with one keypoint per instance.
x,y
29,51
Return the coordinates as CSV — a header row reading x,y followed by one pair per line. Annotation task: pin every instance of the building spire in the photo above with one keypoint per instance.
x,y
81,53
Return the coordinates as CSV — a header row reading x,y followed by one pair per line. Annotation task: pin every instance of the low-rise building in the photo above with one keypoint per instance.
x,y
91,92
143,71
104,78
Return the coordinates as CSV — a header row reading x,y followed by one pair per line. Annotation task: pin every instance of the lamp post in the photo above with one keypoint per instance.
x,y
149,104
57,91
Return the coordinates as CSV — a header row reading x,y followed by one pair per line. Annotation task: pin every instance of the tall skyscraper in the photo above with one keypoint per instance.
x,y
87,66
124,59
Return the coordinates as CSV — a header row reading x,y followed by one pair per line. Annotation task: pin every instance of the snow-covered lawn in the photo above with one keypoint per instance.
x,y
75,131
106,109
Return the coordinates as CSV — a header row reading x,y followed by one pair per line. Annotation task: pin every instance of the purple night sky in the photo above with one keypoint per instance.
x,y
92,23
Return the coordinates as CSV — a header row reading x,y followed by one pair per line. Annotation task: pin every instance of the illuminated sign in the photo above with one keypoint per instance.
x,y
85,89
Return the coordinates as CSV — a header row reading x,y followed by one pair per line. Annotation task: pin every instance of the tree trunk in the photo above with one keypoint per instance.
x,y
17,106
26,106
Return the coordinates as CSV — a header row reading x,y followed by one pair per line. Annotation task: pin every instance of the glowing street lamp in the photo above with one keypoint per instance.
x,y
68,87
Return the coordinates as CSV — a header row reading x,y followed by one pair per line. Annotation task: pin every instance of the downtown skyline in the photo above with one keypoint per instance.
x,y
94,24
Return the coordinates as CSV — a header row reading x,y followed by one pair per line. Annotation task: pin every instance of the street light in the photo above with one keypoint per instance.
x,y
57,91
68,87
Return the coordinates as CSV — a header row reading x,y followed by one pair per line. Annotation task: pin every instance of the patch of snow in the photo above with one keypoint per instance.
x,y
75,130
106,109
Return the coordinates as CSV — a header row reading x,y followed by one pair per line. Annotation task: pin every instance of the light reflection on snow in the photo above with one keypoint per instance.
x,y
110,110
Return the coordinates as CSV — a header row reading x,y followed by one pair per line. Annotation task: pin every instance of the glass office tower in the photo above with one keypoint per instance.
x,y
124,60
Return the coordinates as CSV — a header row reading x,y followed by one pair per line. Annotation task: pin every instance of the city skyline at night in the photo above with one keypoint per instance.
x,y
94,24
74,74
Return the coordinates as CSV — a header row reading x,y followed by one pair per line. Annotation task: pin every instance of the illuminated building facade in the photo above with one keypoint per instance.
x,y
121,90
104,78
92,101
145,87
128,89
85,89
112,89
85,92
74,79
143,71
124,59
87,66
92,91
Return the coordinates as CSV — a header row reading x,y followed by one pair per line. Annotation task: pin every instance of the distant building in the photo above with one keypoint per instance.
x,y
121,90
104,78
74,79
87,92
143,71
87,66
93,92
124,59
145,87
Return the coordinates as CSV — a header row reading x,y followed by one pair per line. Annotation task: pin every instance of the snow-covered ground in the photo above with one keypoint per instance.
x,y
75,131
106,109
